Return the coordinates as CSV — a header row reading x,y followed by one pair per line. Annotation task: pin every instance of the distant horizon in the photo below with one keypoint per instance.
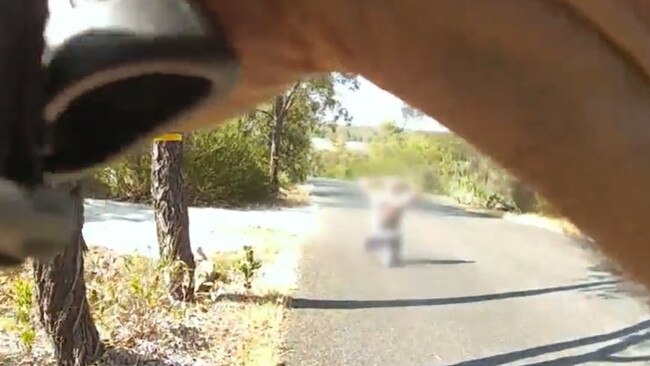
x,y
407,126
371,106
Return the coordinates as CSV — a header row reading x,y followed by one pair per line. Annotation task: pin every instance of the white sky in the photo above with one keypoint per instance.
x,y
371,105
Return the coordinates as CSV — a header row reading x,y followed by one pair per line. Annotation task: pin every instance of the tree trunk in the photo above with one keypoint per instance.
x,y
276,137
61,296
172,222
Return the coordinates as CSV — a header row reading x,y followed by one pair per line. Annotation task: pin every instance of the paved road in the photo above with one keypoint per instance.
x,y
474,291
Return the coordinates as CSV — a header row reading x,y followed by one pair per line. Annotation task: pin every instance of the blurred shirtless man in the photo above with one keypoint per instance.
x,y
389,198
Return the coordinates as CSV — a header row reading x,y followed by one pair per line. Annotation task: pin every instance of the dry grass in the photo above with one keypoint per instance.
x,y
294,197
557,224
227,325
554,223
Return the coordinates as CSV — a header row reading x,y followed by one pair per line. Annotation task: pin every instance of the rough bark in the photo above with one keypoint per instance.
x,y
279,116
61,296
172,222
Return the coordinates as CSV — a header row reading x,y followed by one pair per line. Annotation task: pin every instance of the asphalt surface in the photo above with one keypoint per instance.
x,y
473,291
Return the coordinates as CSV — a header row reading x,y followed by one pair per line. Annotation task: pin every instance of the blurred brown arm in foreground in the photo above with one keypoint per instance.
x,y
556,91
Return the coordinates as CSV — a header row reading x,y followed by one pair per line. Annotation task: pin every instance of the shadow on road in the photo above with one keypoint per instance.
x,y
620,289
625,338
432,262
303,303
429,207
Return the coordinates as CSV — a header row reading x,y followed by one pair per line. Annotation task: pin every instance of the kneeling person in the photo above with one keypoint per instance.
x,y
389,198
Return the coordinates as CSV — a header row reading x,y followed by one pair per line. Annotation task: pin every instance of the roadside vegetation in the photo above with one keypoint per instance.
x,y
234,319
439,163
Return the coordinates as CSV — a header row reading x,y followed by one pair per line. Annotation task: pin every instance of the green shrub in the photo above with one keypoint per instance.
x,y
225,166
127,179
438,163
221,166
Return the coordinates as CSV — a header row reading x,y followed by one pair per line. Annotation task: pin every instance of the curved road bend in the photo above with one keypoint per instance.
x,y
473,291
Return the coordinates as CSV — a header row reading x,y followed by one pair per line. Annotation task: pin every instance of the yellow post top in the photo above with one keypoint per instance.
x,y
167,137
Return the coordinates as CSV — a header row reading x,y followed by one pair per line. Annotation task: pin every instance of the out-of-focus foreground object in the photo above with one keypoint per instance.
x,y
34,220
122,71
81,87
